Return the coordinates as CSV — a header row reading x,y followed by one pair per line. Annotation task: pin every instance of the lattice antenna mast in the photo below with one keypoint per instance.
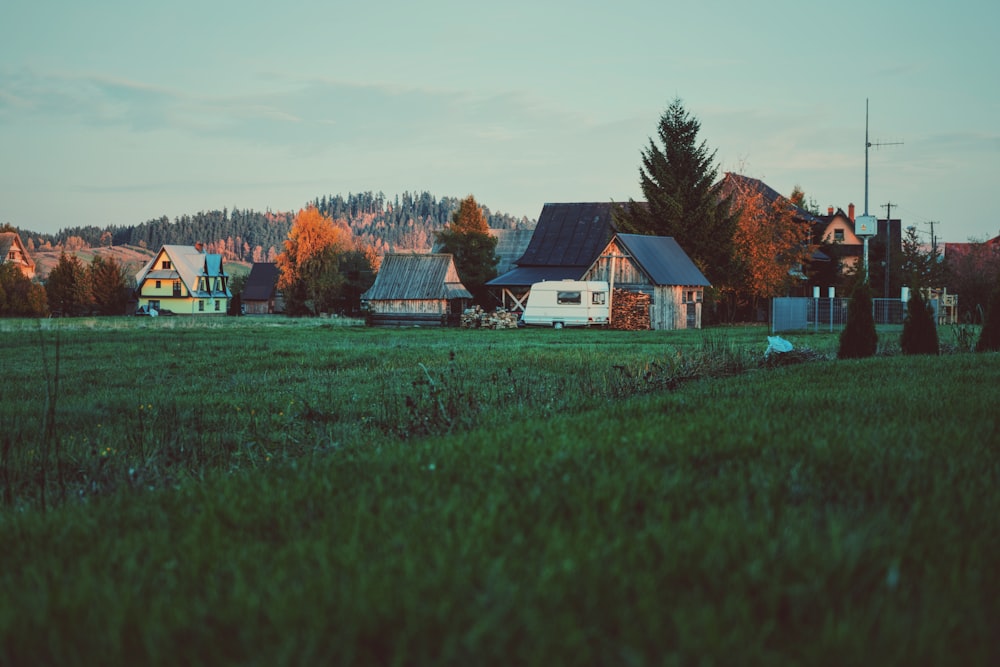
x,y
867,225
869,144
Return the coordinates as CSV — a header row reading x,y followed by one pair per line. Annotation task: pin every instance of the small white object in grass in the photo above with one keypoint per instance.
x,y
777,345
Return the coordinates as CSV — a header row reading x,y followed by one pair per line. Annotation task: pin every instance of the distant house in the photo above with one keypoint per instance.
x,y
260,293
12,251
412,289
184,280
655,265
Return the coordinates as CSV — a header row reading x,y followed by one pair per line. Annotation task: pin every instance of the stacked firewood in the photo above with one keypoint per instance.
x,y
629,310
477,318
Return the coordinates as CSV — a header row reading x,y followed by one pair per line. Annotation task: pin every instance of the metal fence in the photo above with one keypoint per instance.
x,y
805,313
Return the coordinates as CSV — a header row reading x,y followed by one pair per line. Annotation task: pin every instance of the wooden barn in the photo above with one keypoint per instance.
x,y
565,242
260,294
657,266
412,289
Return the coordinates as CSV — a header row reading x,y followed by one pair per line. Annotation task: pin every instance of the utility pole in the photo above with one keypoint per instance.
x,y
888,243
867,225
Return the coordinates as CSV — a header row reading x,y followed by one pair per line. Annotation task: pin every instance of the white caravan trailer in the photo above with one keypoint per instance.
x,y
569,303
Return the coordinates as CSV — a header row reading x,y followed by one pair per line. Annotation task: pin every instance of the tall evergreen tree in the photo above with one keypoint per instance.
x,y
468,239
109,281
69,288
683,200
919,330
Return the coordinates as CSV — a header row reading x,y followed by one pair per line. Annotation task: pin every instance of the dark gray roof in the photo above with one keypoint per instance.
x,y
261,282
663,260
529,275
732,181
412,277
569,235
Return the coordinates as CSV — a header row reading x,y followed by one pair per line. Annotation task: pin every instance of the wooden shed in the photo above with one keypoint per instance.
x,y
658,266
260,293
412,289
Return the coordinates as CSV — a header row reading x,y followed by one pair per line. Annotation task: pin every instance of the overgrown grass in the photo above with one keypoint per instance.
x,y
511,497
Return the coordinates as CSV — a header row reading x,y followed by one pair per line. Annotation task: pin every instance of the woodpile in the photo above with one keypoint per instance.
x,y
630,310
477,318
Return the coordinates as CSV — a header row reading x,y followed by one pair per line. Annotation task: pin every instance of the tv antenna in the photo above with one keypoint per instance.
x,y
866,225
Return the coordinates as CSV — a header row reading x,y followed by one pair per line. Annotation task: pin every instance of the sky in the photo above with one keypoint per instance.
x,y
114,112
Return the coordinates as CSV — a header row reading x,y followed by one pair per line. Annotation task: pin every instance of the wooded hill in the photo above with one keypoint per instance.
x,y
405,222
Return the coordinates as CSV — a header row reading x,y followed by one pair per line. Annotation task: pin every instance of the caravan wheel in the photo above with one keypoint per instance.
x,y
557,325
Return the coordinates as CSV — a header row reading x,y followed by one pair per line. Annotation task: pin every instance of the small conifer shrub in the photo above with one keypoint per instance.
x,y
859,339
989,337
919,330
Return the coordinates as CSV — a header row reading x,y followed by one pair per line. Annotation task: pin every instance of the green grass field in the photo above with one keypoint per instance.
x,y
272,491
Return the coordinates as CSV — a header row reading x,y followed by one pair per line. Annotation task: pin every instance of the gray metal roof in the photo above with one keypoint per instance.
x,y
412,277
663,260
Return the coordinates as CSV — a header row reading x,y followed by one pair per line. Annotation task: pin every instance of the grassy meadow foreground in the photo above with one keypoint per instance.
x,y
266,491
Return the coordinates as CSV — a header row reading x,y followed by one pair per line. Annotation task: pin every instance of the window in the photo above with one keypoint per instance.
x,y
177,288
838,235
158,284
217,304
166,264
599,298
568,297
201,305
154,304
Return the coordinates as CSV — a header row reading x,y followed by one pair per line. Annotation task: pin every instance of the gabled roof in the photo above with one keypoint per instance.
x,y
262,281
732,182
187,264
663,260
565,242
511,245
9,240
407,277
569,235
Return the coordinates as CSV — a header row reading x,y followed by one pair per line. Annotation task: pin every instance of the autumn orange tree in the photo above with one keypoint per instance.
x,y
770,242
309,264
467,237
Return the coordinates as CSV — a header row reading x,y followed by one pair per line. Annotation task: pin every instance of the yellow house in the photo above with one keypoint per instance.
x,y
184,280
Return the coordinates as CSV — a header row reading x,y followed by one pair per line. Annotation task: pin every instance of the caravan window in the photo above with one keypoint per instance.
x,y
599,298
568,297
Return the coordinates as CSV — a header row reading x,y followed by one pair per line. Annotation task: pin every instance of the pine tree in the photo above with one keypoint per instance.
x,y
859,338
109,282
468,239
69,288
677,178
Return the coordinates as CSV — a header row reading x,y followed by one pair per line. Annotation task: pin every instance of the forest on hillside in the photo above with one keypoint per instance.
x,y
404,222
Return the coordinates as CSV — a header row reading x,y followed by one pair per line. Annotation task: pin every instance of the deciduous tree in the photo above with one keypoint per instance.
x,y
19,295
771,245
309,264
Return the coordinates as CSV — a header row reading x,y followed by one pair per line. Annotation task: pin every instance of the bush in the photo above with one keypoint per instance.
x,y
919,329
859,339
989,337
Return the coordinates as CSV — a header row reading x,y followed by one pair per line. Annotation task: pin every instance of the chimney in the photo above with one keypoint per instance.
x,y
829,210
850,212
199,246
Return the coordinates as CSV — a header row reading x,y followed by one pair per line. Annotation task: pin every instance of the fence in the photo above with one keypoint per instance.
x,y
804,313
